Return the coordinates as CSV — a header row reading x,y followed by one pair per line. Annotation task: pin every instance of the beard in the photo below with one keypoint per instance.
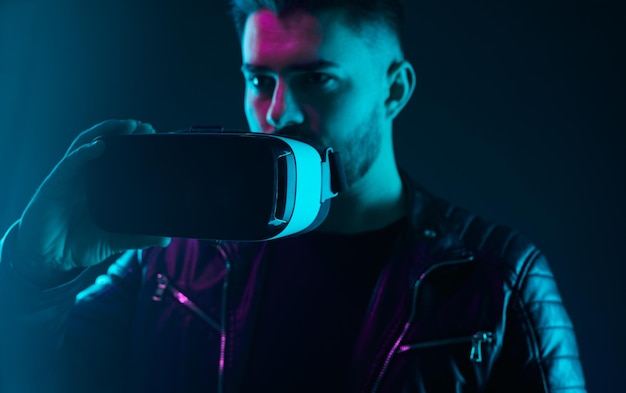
x,y
360,147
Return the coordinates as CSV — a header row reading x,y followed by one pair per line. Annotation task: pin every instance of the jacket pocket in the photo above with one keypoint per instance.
x,y
478,341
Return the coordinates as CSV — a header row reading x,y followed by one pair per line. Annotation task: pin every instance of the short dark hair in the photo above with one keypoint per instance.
x,y
359,12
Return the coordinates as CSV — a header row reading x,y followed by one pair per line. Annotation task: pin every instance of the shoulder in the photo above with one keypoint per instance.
x,y
489,240
492,244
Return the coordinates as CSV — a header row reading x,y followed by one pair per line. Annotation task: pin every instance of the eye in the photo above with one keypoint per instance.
x,y
317,78
261,82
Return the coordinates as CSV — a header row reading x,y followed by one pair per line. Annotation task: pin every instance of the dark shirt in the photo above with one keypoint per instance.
x,y
312,308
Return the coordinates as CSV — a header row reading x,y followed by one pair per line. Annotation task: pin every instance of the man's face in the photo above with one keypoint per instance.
x,y
312,77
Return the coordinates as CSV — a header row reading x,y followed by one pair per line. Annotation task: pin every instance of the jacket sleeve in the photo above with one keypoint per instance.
x,y
42,330
539,349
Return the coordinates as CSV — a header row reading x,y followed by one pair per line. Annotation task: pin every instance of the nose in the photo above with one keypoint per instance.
x,y
284,110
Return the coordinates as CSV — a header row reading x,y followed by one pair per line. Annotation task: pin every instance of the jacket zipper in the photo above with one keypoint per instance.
x,y
164,284
478,340
224,316
409,322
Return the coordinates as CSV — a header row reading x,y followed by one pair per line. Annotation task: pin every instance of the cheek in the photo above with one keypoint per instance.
x,y
315,117
328,111
343,113
256,109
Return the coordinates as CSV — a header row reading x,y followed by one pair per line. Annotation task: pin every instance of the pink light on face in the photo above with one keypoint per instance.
x,y
277,42
278,45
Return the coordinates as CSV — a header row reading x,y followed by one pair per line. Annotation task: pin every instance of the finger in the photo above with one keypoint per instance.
x,y
71,164
107,127
144,128
121,243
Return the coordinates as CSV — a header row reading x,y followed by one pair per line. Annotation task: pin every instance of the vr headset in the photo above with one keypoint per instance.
x,y
205,184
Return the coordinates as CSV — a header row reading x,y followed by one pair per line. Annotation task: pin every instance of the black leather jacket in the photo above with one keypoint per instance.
x,y
461,306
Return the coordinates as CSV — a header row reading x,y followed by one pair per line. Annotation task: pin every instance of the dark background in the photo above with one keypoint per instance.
x,y
518,115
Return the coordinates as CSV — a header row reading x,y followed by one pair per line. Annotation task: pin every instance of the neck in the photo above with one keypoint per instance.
x,y
371,203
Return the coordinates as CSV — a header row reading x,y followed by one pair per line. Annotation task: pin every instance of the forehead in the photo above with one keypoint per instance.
x,y
297,37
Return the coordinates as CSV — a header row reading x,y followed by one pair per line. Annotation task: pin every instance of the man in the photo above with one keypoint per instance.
x,y
396,291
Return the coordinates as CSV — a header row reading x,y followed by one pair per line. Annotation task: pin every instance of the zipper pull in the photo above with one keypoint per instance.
x,y
479,338
162,283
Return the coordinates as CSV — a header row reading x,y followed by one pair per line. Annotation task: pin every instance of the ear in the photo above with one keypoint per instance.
x,y
401,77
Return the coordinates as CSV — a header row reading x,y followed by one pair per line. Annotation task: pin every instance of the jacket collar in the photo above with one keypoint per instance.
x,y
430,233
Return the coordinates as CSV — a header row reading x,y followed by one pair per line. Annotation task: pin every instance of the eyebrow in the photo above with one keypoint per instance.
x,y
313,66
